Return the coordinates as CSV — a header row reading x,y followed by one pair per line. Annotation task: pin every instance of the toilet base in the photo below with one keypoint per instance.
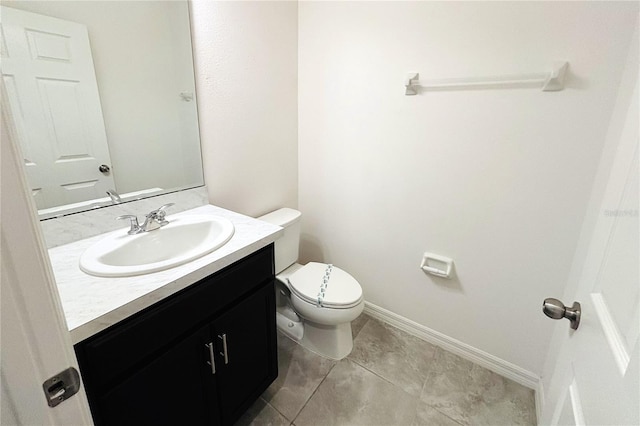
x,y
330,341
291,327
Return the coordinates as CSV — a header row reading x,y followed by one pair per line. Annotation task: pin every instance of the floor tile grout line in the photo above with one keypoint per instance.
x,y
365,323
441,413
427,403
278,411
389,381
430,370
380,377
314,391
299,345
428,373
418,397
447,416
319,384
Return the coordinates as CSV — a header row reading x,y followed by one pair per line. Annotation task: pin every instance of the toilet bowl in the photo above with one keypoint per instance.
x,y
316,302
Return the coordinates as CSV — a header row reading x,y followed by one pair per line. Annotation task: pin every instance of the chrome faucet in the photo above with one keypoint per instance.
x,y
153,220
115,197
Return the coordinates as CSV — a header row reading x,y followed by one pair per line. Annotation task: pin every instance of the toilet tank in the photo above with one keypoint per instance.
x,y
286,247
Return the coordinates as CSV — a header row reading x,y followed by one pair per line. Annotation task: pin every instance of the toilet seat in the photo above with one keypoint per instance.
x,y
342,290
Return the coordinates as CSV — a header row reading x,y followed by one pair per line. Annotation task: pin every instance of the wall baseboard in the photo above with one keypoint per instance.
x,y
484,359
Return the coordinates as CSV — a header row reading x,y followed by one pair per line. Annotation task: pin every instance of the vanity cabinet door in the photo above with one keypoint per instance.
x,y
153,368
176,388
248,331
108,357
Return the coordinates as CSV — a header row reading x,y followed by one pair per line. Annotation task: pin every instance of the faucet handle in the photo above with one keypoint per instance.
x,y
161,208
160,213
135,227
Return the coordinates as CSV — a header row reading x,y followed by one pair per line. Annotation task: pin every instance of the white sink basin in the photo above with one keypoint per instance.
x,y
184,239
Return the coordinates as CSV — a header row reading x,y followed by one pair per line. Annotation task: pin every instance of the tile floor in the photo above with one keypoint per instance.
x,y
390,378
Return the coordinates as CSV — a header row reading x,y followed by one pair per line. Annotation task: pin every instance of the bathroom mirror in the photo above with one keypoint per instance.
x,y
103,98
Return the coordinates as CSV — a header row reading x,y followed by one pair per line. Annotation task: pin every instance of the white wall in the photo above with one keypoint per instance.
x,y
499,180
142,56
246,62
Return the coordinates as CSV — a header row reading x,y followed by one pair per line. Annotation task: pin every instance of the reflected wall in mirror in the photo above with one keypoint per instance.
x,y
103,97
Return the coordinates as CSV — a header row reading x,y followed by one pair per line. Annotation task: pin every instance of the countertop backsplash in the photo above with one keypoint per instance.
x,y
78,226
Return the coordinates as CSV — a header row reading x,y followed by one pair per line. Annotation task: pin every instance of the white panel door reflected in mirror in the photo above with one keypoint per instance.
x,y
49,75
141,53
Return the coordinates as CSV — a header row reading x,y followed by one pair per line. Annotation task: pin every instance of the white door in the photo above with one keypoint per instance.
x,y
596,377
36,344
48,72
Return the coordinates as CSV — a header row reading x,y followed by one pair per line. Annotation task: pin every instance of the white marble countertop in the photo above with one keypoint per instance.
x,y
91,304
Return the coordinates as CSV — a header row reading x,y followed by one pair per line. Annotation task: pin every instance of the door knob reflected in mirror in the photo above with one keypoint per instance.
x,y
555,309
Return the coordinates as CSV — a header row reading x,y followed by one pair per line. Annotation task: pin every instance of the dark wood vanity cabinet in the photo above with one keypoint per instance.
x,y
156,367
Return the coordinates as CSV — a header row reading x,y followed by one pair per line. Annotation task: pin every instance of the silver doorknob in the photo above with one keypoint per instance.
x,y
555,309
104,168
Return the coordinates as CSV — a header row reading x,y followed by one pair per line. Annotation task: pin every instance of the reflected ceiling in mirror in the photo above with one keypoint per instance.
x,y
103,98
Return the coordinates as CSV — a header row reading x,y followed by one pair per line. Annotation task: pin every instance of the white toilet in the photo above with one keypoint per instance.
x,y
315,302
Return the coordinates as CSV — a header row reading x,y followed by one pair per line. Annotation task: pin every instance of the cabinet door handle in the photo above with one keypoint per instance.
x,y
224,352
212,361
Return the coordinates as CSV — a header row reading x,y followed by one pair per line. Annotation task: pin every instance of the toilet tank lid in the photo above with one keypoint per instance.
x,y
281,217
